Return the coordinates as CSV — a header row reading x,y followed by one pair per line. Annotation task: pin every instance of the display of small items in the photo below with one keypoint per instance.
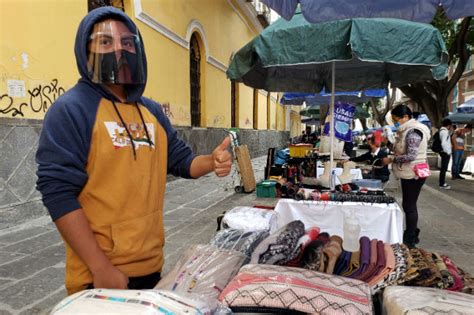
x,y
343,193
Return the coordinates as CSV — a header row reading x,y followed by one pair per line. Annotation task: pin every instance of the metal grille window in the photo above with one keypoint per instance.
x,y
195,75
94,4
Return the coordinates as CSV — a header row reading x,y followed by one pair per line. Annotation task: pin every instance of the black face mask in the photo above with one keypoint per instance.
x,y
109,67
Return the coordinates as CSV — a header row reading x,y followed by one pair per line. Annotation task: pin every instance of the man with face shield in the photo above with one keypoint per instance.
x,y
103,157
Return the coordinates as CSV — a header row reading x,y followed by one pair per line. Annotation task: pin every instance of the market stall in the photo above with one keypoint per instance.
x,y
383,221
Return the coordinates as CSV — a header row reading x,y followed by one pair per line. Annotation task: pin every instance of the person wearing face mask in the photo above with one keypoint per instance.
x,y
457,140
103,157
375,157
410,149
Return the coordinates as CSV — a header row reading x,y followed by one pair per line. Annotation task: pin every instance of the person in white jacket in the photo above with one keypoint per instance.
x,y
445,137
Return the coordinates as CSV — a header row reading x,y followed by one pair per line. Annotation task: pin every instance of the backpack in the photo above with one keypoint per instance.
x,y
436,145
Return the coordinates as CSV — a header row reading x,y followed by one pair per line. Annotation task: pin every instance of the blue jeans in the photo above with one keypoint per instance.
x,y
456,167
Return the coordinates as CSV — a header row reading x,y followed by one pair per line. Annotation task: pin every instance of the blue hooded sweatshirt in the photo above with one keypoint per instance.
x,y
86,161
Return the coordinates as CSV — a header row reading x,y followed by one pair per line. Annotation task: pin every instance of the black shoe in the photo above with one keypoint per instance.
x,y
459,177
417,234
409,239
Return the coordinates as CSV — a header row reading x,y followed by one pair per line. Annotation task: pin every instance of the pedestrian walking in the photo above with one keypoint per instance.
x,y
457,140
446,150
103,156
410,149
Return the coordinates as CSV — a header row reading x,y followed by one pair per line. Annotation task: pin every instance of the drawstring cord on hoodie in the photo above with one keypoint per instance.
x,y
150,143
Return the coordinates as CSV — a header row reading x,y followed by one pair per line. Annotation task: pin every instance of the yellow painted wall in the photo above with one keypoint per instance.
x,y
223,32
218,93
37,50
262,110
281,116
273,111
40,54
245,107
295,124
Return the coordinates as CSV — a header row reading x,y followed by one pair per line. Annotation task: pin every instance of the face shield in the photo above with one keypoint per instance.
x,y
114,54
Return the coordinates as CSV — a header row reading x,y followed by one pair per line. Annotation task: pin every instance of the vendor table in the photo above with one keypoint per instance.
x,y
380,221
356,172
469,165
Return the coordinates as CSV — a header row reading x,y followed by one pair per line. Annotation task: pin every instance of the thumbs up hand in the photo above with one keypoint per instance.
x,y
222,158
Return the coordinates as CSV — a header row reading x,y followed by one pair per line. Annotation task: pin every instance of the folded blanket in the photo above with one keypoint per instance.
x,y
293,289
278,248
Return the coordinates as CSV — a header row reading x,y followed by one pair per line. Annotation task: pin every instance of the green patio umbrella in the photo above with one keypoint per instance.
x,y
360,113
344,55
368,53
312,111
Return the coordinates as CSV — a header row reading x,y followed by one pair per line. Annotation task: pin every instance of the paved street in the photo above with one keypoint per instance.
x,y
32,255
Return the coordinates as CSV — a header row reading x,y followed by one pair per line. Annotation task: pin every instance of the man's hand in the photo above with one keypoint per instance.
x,y
110,277
387,160
222,158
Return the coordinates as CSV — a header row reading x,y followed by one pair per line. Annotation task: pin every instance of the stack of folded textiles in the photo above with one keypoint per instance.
x,y
377,263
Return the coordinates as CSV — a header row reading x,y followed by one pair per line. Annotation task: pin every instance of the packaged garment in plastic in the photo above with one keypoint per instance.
x,y
249,219
278,288
204,270
146,302
418,300
239,240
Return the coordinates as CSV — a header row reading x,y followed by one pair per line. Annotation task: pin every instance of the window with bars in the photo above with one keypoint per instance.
x,y
195,76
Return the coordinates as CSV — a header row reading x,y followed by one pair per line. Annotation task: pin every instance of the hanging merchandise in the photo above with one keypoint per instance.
x,y
343,115
141,302
285,289
204,270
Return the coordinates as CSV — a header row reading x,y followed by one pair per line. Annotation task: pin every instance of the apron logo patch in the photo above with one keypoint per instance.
x,y
120,138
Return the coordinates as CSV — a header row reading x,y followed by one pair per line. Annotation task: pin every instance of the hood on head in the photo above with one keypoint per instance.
x,y
134,91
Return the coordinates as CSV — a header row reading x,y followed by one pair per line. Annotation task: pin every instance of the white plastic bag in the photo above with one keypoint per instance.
x,y
249,219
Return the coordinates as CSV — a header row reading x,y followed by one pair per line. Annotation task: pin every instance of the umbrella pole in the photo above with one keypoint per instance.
x,y
331,121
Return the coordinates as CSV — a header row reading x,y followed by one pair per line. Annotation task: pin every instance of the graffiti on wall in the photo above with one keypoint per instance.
x,y
167,110
218,120
247,122
39,99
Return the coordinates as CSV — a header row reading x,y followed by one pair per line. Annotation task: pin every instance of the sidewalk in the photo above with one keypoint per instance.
x,y
447,219
32,255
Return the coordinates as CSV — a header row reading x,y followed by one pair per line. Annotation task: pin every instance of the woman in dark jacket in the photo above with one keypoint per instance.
x,y
375,157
